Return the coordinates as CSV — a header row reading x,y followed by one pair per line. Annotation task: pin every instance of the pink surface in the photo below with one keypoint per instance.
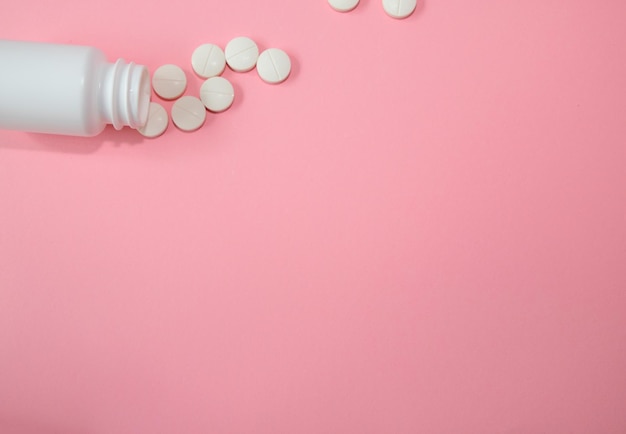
x,y
422,231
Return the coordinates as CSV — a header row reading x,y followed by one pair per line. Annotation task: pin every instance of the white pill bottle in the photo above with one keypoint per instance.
x,y
69,89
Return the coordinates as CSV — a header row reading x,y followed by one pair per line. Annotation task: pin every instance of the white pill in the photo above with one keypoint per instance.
x,y
273,66
241,54
399,8
169,81
217,94
343,5
208,60
157,121
188,113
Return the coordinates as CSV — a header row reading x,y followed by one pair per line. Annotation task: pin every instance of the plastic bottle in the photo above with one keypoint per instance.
x,y
69,89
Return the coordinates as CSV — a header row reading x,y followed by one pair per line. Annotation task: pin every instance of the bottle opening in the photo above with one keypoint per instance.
x,y
125,97
145,92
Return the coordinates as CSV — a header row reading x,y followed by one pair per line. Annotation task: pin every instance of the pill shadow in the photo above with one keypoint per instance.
x,y
295,69
419,9
240,95
362,8
194,82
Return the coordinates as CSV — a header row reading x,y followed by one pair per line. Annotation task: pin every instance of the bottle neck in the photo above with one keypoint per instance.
x,y
124,97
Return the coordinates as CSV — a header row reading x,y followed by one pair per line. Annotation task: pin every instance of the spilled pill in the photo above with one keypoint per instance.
x,y
188,113
241,54
273,66
208,60
169,81
157,121
217,94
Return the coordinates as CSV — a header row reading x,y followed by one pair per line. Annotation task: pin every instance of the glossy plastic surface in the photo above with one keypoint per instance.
x,y
69,89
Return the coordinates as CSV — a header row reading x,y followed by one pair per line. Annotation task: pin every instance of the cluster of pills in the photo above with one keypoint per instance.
x,y
394,8
217,94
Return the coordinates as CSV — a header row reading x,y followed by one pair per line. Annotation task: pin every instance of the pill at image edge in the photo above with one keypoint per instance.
x,y
241,54
273,66
208,60
157,121
169,81
188,113
343,5
217,94
399,8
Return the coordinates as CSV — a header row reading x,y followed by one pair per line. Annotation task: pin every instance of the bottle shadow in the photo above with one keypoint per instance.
x,y
71,144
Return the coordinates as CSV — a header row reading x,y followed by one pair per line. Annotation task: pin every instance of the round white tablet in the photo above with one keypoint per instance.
x,y
157,121
273,66
169,81
399,8
217,94
343,5
241,54
188,113
208,60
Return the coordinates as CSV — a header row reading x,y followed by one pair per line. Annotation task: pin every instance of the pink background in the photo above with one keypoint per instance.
x,y
422,231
